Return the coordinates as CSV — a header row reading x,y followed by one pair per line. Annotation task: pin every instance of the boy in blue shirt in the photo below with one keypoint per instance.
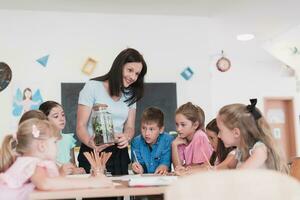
x,y
151,150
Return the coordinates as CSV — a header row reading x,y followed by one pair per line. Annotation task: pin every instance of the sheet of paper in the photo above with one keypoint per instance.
x,y
151,180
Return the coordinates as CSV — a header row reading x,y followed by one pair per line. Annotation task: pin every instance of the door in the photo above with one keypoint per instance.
x,y
279,112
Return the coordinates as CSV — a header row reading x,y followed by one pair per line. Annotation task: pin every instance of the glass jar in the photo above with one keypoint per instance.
x,y
97,172
102,125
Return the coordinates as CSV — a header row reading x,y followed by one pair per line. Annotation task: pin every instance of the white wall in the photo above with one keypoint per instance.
x,y
168,43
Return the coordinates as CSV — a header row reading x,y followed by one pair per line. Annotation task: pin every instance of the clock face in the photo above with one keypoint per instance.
x,y
5,75
223,64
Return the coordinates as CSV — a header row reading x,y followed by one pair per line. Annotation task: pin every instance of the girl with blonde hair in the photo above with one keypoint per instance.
x,y
245,127
28,162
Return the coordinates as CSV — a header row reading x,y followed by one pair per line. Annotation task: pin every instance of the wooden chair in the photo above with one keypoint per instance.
x,y
235,185
295,168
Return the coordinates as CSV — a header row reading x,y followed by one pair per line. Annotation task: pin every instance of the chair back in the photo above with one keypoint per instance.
x,y
235,185
295,168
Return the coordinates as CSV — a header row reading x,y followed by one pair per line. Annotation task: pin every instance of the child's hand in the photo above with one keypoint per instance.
x,y
181,170
137,168
66,169
178,141
161,170
78,170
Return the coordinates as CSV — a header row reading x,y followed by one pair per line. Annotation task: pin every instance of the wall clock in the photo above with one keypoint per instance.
x,y
5,75
223,64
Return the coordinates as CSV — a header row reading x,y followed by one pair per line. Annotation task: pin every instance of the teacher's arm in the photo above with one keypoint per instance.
x,y
128,131
83,114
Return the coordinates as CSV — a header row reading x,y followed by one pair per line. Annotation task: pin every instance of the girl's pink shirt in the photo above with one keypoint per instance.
x,y
193,152
15,182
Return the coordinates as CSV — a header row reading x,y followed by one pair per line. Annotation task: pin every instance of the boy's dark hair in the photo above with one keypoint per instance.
x,y
153,114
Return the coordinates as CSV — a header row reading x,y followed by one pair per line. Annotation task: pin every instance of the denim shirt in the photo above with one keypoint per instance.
x,y
159,154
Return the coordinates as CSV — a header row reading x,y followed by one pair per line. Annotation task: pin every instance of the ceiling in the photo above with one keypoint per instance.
x,y
267,19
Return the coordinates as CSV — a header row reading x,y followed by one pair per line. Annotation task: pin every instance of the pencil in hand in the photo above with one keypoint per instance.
x,y
207,160
135,157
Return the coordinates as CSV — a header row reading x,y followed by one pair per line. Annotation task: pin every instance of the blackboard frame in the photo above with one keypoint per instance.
x,y
161,95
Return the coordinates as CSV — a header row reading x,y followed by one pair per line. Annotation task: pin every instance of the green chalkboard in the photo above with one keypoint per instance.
x,y
162,95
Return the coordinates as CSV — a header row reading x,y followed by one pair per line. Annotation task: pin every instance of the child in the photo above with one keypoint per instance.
x,y
65,168
191,147
244,127
151,151
56,115
32,114
222,157
35,166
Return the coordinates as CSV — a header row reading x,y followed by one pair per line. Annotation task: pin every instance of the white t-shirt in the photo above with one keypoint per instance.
x,y
94,92
238,154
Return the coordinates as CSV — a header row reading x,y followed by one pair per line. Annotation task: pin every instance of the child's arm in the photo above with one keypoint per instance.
x,y
165,156
229,163
136,156
42,182
257,159
175,153
72,155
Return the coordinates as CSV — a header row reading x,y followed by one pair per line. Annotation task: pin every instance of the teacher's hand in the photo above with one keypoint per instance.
x,y
98,148
102,147
121,140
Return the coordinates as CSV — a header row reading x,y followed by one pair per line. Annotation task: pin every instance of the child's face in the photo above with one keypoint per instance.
x,y
185,128
57,116
213,138
227,136
150,132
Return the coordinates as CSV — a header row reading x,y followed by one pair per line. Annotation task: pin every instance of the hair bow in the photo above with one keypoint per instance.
x,y
252,109
35,131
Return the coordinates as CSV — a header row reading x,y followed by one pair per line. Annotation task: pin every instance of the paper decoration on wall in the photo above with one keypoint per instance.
x,y
276,115
5,75
89,66
43,60
294,50
276,133
187,73
25,101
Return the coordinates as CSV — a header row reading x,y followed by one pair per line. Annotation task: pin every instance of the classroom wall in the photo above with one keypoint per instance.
x,y
168,43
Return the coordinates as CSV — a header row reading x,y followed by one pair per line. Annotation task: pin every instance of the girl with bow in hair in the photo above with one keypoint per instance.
x,y
245,127
28,162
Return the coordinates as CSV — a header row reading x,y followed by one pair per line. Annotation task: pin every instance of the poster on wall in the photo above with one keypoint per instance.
x,y
26,97
276,115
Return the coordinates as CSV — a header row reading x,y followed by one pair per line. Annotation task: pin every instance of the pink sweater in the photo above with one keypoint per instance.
x,y
15,182
193,153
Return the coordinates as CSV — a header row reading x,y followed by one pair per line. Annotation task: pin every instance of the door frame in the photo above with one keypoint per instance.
x,y
291,123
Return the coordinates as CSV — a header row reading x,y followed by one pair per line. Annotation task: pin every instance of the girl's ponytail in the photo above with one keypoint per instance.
x,y
7,152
